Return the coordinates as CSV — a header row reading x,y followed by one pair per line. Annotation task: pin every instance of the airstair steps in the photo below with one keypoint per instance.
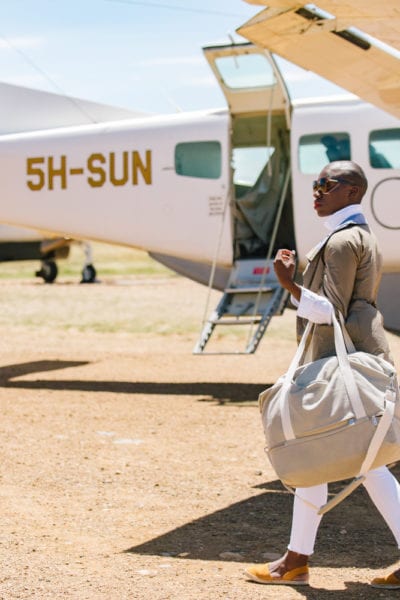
x,y
246,290
252,297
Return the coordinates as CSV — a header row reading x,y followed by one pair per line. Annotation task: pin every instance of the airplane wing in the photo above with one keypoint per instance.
x,y
333,39
24,109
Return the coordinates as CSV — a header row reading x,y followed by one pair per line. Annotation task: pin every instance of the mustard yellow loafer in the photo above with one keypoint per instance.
x,y
390,582
261,574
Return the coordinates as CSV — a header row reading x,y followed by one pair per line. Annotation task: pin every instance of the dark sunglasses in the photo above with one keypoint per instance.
x,y
322,185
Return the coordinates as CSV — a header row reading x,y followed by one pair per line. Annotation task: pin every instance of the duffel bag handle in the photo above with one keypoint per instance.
x,y
345,368
346,371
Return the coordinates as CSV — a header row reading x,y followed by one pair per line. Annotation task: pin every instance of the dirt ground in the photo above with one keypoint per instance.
x,y
131,469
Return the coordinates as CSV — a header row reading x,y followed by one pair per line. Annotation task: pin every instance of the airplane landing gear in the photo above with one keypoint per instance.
x,y
88,274
88,271
60,249
48,271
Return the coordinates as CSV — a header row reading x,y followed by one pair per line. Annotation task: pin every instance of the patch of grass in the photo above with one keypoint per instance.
x,y
146,305
136,295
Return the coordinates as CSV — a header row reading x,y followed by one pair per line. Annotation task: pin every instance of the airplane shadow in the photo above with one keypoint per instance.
x,y
261,524
217,391
9,372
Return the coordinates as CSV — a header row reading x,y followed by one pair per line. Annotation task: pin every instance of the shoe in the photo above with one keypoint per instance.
x,y
261,574
390,582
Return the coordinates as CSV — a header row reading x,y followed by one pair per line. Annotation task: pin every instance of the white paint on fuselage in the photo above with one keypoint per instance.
x,y
152,208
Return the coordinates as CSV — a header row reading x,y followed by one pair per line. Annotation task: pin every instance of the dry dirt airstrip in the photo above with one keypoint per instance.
x,y
131,469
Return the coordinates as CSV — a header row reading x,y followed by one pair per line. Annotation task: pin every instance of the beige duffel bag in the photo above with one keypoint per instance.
x,y
332,419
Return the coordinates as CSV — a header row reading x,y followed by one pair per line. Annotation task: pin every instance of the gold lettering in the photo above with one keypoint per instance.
x,y
124,178
96,170
137,165
35,171
61,172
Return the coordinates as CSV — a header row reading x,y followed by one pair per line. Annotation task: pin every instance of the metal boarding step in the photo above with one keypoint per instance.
x,y
252,297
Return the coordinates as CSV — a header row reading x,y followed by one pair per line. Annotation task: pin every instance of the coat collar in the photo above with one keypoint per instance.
x,y
351,220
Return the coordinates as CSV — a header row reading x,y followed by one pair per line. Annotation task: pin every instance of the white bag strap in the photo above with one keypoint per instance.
x,y
347,339
345,368
287,427
373,449
346,371
381,430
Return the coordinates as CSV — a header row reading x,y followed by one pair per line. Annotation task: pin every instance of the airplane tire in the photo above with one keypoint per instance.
x,y
88,274
48,271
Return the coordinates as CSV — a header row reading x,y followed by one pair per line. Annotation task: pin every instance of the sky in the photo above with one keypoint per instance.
x,y
142,55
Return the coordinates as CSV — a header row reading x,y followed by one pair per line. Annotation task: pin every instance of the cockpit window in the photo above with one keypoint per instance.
x,y
384,149
245,71
198,159
316,150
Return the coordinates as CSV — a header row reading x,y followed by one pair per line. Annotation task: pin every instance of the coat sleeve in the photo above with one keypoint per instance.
x,y
341,259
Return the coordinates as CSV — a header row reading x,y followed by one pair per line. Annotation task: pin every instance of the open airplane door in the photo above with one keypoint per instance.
x,y
260,110
249,79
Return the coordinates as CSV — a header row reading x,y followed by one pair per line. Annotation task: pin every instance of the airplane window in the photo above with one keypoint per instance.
x,y
316,150
198,159
384,149
245,71
248,162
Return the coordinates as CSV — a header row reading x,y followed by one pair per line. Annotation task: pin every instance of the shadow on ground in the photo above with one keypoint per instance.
x,y
220,392
246,530
261,523
9,372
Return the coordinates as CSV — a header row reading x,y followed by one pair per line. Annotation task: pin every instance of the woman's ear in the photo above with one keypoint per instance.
x,y
354,192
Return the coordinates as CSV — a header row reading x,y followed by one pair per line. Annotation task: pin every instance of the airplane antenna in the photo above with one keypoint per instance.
x,y
148,4
235,59
171,101
73,101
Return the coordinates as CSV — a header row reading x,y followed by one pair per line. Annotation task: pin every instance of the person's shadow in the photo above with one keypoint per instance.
x,y
352,535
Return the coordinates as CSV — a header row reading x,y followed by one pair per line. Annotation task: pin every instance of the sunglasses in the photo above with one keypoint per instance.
x,y
322,185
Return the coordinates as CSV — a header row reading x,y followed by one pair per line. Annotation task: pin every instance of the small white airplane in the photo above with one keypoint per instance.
x,y
213,194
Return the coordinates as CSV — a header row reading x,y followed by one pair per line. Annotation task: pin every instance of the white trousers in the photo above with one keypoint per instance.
x,y
383,489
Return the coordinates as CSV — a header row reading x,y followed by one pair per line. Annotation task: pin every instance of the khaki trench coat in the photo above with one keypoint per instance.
x,y
347,270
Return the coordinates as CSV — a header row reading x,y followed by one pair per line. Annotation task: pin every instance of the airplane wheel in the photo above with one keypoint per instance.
x,y
88,274
48,271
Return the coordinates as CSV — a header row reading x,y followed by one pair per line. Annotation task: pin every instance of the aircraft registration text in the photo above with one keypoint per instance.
x,y
126,168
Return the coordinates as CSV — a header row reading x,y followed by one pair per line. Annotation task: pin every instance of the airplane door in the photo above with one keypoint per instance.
x,y
260,112
249,79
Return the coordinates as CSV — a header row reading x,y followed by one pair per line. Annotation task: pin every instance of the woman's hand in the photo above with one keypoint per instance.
x,y
285,268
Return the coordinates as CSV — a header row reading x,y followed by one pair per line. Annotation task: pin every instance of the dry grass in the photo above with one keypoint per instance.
x,y
135,295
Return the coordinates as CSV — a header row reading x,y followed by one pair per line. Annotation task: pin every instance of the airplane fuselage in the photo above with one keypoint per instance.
x,y
130,183
163,183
